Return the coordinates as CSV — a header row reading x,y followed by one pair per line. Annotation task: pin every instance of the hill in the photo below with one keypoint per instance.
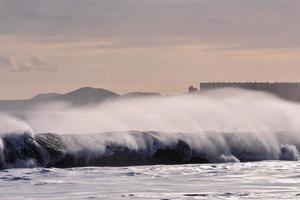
x,y
80,97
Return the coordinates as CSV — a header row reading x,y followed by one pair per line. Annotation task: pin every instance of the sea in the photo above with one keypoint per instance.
x,y
224,144
249,180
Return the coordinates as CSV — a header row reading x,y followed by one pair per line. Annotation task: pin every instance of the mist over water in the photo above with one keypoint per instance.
x,y
226,110
226,125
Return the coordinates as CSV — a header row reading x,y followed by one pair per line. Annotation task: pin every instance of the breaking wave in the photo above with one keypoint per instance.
x,y
213,127
142,148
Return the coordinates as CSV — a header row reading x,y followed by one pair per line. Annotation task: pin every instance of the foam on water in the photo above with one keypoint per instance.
x,y
255,180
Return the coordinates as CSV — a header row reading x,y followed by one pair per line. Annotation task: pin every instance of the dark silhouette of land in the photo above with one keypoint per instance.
x,y
81,97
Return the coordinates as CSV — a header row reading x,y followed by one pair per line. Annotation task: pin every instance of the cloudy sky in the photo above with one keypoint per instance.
x,y
145,45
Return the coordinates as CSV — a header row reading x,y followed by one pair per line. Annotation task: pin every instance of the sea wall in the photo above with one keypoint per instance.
x,y
286,90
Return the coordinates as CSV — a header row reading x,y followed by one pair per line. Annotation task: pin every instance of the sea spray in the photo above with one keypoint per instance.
x,y
225,110
227,125
11,124
16,130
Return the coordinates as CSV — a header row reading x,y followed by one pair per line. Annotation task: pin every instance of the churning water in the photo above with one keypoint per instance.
x,y
253,180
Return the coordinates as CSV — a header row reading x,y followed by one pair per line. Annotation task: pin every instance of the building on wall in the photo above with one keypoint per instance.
x,y
192,89
285,90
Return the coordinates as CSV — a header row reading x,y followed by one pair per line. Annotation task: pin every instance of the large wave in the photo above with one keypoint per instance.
x,y
217,126
142,148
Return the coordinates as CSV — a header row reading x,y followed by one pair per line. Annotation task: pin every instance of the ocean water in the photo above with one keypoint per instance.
x,y
250,180
226,144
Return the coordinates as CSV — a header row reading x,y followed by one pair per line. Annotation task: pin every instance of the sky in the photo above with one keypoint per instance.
x,y
144,45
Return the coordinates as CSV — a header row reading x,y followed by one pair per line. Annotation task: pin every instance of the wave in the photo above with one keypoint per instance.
x,y
227,125
143,148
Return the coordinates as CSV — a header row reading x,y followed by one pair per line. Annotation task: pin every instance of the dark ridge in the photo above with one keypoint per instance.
x,y
86,95
45,96
141,94
81,97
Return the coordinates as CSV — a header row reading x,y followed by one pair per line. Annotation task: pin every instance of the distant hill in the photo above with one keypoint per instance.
x,y
80,97
86,95
45,96
141,94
